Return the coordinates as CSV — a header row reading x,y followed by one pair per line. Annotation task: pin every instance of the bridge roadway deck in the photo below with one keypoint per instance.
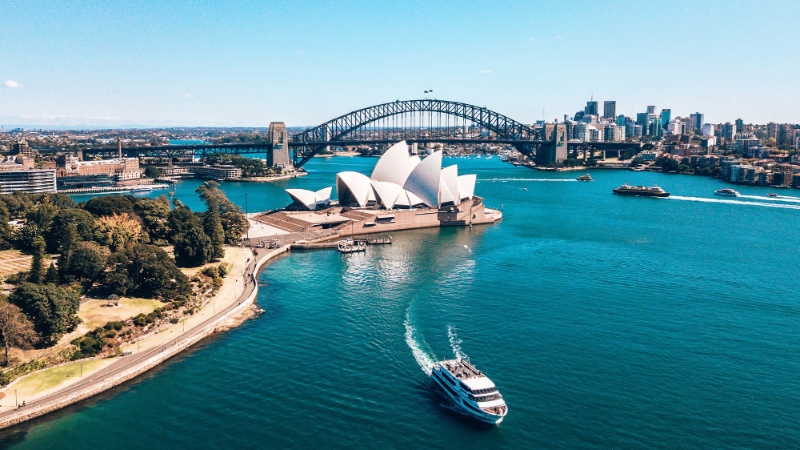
x,y
131,366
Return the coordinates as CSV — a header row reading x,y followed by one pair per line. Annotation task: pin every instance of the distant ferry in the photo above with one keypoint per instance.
x,y
641,191
727,192
470,390
142,189
586,177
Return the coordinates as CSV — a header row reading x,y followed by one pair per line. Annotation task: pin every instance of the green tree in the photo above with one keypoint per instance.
x,y
154,214
51,276
37,264
233,220
87,263
52,310
69,225
43,216
151,172
116,278
15,329
180,220
212,225
193,247
25,237
6,232
109,205
150,273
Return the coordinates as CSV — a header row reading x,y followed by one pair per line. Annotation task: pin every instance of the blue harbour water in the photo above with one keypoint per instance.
x,y
605,321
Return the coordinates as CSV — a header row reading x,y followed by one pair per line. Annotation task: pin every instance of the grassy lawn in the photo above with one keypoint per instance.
x,y
50,378
95,314
14,261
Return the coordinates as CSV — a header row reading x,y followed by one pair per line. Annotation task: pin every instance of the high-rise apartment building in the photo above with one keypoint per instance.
x,y
591,108
666,116
697,120
772,131
708,129
651,109
609,109
739,125
786,135
729,131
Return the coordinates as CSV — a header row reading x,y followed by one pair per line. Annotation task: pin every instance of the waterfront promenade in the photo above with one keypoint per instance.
x,y
230,303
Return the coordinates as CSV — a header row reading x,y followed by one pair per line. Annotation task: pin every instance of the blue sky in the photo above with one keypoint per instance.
x,y
240,63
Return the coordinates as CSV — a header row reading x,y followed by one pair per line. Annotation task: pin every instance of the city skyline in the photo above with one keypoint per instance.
x,y
243,64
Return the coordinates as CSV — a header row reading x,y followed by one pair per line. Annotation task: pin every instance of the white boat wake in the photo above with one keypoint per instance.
x,y
455,343
423,358
525,179
773,199
733,202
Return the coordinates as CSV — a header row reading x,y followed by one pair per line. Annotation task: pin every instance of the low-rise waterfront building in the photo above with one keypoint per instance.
x,y
34,181
218,172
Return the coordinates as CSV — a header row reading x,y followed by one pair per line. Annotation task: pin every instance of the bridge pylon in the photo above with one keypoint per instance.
x,y
278,155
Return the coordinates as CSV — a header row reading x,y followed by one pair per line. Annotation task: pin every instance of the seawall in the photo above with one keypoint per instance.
x,y
130,367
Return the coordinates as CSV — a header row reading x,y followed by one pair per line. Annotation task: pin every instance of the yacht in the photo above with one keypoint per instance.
x,y
471,390
586,177
641,191
727,192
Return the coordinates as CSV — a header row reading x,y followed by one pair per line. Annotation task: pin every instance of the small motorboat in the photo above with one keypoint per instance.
x,y
772,194
586,177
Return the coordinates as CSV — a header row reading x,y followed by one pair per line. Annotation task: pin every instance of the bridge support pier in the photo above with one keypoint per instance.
x,y
278,155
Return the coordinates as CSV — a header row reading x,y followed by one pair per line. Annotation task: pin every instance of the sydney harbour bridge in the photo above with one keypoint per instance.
x,y
415,121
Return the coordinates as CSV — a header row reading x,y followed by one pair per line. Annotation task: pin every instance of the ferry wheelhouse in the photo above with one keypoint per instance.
x,y
471,390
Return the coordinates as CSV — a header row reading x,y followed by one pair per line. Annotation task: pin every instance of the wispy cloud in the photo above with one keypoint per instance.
x,y
485,71
300,52
531,39
557,37
188,95
13,84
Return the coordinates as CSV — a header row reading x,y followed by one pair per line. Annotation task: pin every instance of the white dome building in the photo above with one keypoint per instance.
x,y
398,181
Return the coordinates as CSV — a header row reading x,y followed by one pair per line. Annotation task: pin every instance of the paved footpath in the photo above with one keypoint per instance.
x,y
133,365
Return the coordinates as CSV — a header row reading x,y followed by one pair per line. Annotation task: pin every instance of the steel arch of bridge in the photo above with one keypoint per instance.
x,y
337,129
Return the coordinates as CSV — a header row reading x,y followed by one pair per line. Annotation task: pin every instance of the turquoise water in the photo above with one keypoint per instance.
x,y
605,321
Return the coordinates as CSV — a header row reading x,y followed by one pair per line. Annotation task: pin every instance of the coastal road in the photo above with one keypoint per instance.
x,y
127,362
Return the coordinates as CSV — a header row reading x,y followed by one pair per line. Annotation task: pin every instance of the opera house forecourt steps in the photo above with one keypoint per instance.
x,y
404,192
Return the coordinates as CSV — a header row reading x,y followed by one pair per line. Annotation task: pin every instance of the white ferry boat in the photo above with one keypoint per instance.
x,y
727,192
470,389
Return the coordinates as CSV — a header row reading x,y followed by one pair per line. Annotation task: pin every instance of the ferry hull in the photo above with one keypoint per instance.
x,y
461,403
641,193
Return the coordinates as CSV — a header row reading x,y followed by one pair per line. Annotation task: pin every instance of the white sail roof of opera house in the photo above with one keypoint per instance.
x,y
424,180
354,187
310,199
403,180
395,165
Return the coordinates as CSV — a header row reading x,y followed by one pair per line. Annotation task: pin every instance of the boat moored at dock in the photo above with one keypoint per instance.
x,y
471,390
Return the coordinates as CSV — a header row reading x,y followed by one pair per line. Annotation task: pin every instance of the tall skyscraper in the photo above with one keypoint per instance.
x,y
666,116
697,120
591,108
739,125
641,119
609,109
651,109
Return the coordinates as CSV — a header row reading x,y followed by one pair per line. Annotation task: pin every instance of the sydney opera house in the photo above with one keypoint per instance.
x,y
403,192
